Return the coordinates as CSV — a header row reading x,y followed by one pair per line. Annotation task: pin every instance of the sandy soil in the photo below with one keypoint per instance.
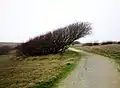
x,y
93,71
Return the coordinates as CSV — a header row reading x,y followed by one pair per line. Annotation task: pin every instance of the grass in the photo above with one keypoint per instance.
x,y
111,51
36,72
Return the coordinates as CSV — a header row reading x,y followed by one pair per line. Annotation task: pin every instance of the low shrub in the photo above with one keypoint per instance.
x,y
87,44
75,42
108,42
4,49
118,42
94,44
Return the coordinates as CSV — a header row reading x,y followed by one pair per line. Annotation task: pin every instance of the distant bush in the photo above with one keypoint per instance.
x,y
108,42
118,42
95,44
87,44
4,49
75,42
102,43
105,43
115,42
56,41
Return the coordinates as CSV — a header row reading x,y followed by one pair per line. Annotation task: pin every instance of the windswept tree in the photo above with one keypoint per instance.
x,y
56,41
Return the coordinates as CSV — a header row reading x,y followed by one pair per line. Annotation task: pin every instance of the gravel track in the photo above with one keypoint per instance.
x,y
93,71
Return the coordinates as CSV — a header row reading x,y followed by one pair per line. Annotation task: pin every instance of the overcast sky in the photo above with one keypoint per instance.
x,y
24,19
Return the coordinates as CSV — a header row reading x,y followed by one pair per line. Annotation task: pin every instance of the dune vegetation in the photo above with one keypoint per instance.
x,y
42,61
36,72
109,50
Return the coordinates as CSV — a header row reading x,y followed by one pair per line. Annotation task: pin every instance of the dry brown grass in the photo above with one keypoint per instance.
x,y
28,72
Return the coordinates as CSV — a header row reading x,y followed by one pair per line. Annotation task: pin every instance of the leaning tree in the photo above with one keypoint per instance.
x,y
56,41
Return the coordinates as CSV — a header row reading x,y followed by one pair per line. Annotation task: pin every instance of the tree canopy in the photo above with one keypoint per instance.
x,y
56,41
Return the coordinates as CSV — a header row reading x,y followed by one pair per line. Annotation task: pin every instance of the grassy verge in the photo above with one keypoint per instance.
x,y
36,72
111,51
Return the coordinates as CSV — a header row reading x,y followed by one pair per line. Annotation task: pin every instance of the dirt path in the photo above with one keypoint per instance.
x,y
94,71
